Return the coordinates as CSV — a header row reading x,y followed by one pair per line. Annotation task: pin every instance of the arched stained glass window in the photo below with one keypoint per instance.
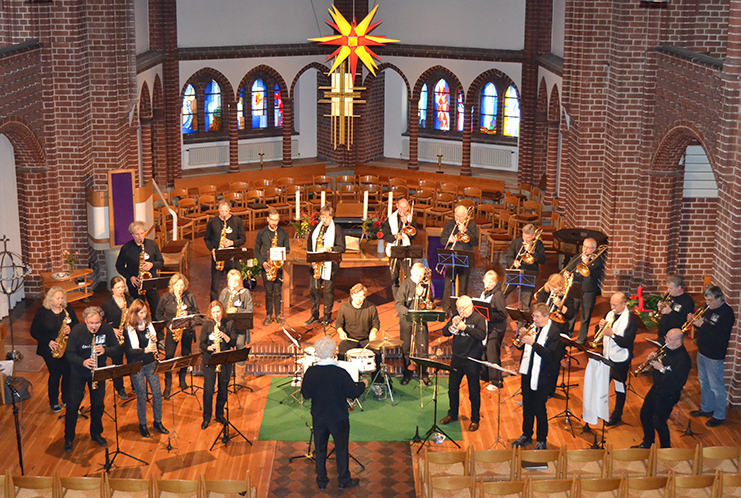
x,y
189,111
259,105
511,113
278,107
240,110
442,106
489,109
422,106
461,111
212,103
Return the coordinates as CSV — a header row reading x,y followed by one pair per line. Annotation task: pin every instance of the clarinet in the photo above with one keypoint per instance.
x,y
94,357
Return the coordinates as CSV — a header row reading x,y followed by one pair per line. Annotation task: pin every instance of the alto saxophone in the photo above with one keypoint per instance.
x,y
121,339
317,267
177,334
272,272
58,352
217,343
222,241
143,275
230,303
599,335
94,357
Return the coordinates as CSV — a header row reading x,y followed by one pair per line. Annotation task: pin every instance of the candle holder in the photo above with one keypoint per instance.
x,y
261,154
439,162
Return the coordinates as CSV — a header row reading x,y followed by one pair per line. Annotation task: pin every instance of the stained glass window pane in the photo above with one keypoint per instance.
x,y
240,110
489,109
212,102
189,114
278,107
422,106
461,111
511,113
259,109
442,106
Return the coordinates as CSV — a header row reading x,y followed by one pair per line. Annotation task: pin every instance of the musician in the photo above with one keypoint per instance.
x,y
357,321
669,376
114,313
329,387
177,301
397,229
620,327
332,240
539,367
674,308
215,326
84,337
555,294
412,292
712,347
140,344
129,257
273,289
461,223
55,315
233,236
590,286
236,299
496,327
469,333
525,244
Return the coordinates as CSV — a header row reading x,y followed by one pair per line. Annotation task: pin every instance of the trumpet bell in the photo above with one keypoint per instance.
x,y
583,270
527,258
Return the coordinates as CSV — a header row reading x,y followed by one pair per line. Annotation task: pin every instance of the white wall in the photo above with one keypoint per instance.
x,y
10,220
395,114
558,27
141,20
305,115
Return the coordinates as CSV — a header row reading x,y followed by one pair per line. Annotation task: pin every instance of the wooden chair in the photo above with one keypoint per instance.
x,y
396,182
553,458
227,488
177,194
534,208
205,209
458,486
34,487
525,189
241,187
443,207
511,204
601,486
467,203
553,488
725,458
423,199
6,485
500,236
273,199
587,463
683,461
271,195
503,488
375,194
262,184
314,195
647,487
282,182
256,203
176,255
186,208
473,193
81,487
536,195
400,191
444,463
636,462
130,488
450,188
693,486
347,192
240,209
177,488
207,190
427,184
344,180
368,180
728,485
494,465
324,180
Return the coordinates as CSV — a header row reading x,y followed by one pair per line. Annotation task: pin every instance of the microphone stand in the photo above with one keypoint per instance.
x,y
14,394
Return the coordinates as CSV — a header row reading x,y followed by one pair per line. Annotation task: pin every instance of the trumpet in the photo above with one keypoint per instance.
x,y
655,356
688,324
517,342
583,268
599,335
655,315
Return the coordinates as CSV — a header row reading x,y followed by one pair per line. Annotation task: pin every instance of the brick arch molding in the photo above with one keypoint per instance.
x,y
145,102
323,69
262,68
226,87
673,143
371,78
453,81
542,102
554,105
478,83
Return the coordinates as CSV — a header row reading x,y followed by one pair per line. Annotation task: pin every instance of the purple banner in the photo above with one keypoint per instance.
x,y
121,206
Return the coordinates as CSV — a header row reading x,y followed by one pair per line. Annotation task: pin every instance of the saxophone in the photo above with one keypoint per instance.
x,y
177,334
272,272
217,343
317,267
143,275
58,352
229,303
222,240
123,322
94,357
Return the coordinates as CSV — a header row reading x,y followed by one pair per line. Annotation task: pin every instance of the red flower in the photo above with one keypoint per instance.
x,y
377,224
314,223
379,235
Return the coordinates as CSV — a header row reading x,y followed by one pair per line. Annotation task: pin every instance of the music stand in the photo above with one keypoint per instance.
x,y
228,358
155,284
519,278
169,366
455,259
566,413
323,257
234,253
518,315
499,438
436,366
188,322
109,373
592,356
242,321
410,252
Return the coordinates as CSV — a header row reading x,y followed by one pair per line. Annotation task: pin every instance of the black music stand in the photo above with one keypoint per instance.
x,y
566,413
242,321
188,322
411,252
234,253
489,364
323,257
421,317
155,284
519,278
109,373
169,366
436,366
455,259
591,355
228,358
518,315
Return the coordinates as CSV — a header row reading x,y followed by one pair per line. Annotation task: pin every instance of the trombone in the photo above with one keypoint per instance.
x,y
583,268
461,236
524,255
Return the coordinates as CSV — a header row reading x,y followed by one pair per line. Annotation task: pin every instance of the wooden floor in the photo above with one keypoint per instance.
x,y
42,432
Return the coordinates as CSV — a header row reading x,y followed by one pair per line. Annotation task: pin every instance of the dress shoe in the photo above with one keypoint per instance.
x,y
613,421
220,419
322,486
447,419
280,320
426,380
541,445
700,413
473,427
100,440
405,380
166,392
714,422
268,320
641,446
56,408
160,428
350,484
67,446
143,430
311,321
523,441
122,394
204,425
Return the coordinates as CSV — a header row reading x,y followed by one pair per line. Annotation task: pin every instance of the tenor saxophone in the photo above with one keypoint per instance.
x,y
217,343
317,267
121,338
177,334
272,272
58,352
222,241
142,275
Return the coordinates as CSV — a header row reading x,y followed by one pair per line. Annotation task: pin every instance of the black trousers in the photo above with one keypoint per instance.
x,y
218,278
273,294
493,353
117,357
533,406
622,370
404,265
655,412
585,306
315,292
462,273
340,431
471,370
186,347
209,382
422,346
59,370
74,398
151,297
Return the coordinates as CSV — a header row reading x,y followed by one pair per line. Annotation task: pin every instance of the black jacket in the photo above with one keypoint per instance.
x,y
329,387
468,342
46,325
337,246
127,263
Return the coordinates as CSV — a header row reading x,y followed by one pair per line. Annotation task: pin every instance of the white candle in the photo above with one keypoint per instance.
x,y
298,205
391,203
324,198
439,151
365,204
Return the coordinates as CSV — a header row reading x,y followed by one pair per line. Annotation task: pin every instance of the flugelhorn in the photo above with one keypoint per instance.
x,y
655,356
655,315
599,335
583,268
528,331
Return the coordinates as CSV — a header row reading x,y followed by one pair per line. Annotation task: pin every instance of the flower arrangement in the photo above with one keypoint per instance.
x,y
372,225
305,223
71,259
650,308
250,269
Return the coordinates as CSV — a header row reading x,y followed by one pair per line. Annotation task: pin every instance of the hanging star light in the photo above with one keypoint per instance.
x,y
353,40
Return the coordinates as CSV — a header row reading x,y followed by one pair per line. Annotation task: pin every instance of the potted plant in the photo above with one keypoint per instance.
x,y
250,271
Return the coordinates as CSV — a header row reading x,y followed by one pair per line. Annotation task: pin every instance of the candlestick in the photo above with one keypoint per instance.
x,y
391,203
324,198
298,205
365,205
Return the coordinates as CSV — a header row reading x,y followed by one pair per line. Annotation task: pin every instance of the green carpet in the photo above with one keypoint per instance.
x,y
285,419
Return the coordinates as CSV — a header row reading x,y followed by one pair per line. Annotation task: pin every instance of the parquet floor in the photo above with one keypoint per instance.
x,y
42,432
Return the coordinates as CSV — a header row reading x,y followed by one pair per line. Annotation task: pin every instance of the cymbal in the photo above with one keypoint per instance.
x,y
385,343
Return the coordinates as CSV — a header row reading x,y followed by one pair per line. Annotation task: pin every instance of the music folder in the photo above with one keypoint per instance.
x,y
322,257
235,253
155,283
186,322
483,307
520,315
407,252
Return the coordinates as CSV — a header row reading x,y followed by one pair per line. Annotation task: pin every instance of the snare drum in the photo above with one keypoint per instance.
x,y
365,359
